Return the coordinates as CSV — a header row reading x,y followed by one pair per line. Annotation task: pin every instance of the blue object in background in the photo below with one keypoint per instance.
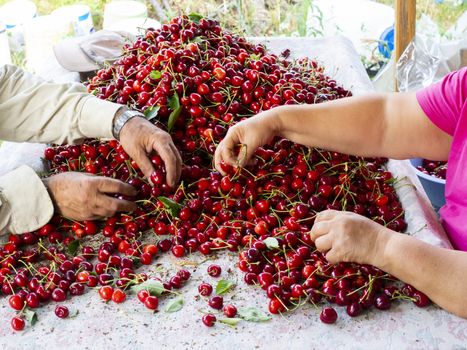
x,y
386,44
433,186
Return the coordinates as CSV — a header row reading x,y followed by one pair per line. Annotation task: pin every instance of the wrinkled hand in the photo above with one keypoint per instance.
x,y
349,237
81,196
139,138
249,134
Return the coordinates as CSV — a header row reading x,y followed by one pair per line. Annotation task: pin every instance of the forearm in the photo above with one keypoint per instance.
x,y
354,125
382,125
437,272
37,111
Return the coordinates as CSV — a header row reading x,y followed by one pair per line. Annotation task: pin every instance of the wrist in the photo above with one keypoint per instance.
x,y
276,120
121,118
383,255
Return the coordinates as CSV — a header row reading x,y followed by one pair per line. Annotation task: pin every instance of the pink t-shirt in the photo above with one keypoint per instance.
x,y
445,103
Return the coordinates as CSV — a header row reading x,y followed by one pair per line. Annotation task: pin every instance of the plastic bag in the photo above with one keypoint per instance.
x,y
418,65
429,57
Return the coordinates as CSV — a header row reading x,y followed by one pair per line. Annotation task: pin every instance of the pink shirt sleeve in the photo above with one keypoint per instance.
x,y
443,102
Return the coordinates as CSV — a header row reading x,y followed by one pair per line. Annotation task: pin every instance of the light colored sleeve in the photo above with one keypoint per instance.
x,y
33,110
25,204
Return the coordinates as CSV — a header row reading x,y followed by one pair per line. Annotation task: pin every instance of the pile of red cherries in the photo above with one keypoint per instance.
x,y
195,80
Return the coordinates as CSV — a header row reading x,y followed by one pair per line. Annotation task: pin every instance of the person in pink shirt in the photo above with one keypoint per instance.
x,y
431,123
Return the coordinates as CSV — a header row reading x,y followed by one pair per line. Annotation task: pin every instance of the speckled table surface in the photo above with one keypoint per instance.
x,y
131,326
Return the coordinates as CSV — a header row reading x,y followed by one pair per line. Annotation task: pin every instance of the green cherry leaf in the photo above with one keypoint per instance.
x,y
253,314
73,247
172,206
155,74
175,304
151,112
152,286
232,322
195,17
174,105
223,286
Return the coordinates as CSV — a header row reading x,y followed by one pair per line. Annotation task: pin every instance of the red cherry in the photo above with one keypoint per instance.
x,y
61,311
209,320
216,302
328,315
276,306
421,300
219,73
214,270
142,295
16,302
205,289
230,310
178,250
151,302
118,296
17,323
106,292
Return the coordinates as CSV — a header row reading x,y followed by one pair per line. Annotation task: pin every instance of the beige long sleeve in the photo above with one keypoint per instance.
x,y
32,110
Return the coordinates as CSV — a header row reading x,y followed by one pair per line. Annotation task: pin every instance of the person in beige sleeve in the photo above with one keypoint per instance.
x,y
32,110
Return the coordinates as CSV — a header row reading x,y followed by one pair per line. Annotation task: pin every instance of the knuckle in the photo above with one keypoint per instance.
x,y
164,137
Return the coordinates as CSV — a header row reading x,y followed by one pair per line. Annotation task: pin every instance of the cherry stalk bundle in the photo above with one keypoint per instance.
x,y
195,80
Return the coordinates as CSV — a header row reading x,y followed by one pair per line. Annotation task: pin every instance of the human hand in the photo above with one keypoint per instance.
x,y
81,196
139,138
349,237
250,134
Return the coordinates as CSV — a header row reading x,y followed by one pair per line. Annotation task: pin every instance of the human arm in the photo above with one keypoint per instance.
x,y
33,110
437,272
384,125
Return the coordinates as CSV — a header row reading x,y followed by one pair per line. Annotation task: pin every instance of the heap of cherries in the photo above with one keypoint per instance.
x,y
434,168
195,79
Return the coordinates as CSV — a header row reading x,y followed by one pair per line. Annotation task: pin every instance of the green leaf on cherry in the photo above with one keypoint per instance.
x,y
30,316
151,112
195,17
174,105
73,247
155,74
254,57
152,286
232,322
253,314
172,206
223,286
271,243
175,304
